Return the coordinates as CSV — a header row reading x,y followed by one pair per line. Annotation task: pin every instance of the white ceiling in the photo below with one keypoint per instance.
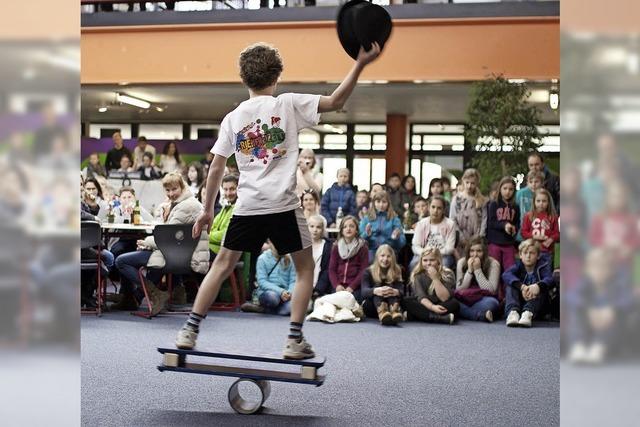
x,y
208,103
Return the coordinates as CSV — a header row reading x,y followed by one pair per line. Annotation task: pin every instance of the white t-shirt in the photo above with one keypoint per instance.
x,y
435,239
263,134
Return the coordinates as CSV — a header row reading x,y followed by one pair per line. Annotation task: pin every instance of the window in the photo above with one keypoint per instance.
x,y
202,130
308,138
96,131
156,131
330,166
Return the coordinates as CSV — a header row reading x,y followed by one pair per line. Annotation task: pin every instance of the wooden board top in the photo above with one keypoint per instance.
x,y
316,362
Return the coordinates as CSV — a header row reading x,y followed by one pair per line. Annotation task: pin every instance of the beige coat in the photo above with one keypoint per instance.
x,y
185,211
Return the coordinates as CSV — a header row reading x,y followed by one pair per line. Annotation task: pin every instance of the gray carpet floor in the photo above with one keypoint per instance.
x,y
471,373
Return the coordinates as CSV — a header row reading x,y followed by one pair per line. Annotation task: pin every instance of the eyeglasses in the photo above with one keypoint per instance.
x,y
308,191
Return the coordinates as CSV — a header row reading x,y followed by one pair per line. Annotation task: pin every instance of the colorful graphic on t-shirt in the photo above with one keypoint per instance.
x,y
260,142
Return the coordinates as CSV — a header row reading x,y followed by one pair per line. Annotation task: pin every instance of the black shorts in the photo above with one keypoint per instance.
x,y
287,231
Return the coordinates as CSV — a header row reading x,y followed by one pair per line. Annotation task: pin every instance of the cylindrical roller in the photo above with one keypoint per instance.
x,y
243,406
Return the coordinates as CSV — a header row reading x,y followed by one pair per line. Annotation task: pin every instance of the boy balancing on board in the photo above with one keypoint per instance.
x,y
262,132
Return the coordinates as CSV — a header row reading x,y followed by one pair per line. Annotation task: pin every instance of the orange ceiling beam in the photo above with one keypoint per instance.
x,y
420,49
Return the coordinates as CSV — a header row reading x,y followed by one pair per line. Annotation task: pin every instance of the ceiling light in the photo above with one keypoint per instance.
x,y
539,96
517,81
554,100
102,109
136,102
381,82
159,109
418,81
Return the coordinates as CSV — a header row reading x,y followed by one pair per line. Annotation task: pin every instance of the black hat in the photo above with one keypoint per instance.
x,y
360,23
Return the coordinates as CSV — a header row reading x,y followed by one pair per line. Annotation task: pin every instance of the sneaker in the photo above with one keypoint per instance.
x,y
488,316
298,350
596,354
452,318
578,353
186,339
526,319
513,319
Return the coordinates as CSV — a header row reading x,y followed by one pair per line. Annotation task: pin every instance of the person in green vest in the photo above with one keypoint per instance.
x,y
221,220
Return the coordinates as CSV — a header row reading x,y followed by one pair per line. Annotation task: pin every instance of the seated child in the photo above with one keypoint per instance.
x,y
382,225
478,279
276,278
147,170
321,256
526,283
432,285
349,258
382,286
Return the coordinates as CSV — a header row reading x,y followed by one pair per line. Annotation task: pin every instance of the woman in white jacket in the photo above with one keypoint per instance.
x,y
182,208
435,231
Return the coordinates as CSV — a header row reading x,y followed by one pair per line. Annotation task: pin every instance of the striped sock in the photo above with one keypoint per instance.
x,y
295,331
193,322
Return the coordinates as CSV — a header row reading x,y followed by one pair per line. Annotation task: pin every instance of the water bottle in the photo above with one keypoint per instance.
x,y
339,216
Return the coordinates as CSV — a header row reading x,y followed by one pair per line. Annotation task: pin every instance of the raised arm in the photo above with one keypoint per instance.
x,y
339,96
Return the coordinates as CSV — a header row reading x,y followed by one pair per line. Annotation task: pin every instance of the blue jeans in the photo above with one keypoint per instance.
x,y
107,259
272,303
515,301
477,310
128,265
123,246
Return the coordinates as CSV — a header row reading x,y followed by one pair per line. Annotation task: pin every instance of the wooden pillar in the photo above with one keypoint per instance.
x,y
396,153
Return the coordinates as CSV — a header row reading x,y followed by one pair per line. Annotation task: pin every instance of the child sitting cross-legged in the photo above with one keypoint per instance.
x,y
432,286
526,284
382,286
276,277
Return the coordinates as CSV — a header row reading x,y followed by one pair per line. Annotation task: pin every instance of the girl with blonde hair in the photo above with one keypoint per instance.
x,y
432,285
382,286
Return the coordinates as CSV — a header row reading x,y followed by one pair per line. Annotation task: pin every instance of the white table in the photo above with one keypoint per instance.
x,y
334,231
127,227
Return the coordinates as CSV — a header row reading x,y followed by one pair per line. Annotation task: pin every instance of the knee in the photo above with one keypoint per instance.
x,y
270,299
120,262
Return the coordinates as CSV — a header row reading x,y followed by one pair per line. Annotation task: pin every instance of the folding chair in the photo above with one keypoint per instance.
x,y
177,246
91,237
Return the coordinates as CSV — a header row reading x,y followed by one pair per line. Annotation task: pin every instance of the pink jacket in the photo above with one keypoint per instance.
x,y
421,236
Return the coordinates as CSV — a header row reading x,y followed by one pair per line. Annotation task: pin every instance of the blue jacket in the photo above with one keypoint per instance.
x,y
517,272
381,229
274,278
338,196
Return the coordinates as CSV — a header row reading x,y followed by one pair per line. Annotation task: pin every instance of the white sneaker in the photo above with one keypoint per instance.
x,y
298,350
526,319
513,318
596,353
186,339
452,318
578,353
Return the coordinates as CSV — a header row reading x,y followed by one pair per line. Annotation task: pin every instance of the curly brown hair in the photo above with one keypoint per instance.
x,y
260,66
